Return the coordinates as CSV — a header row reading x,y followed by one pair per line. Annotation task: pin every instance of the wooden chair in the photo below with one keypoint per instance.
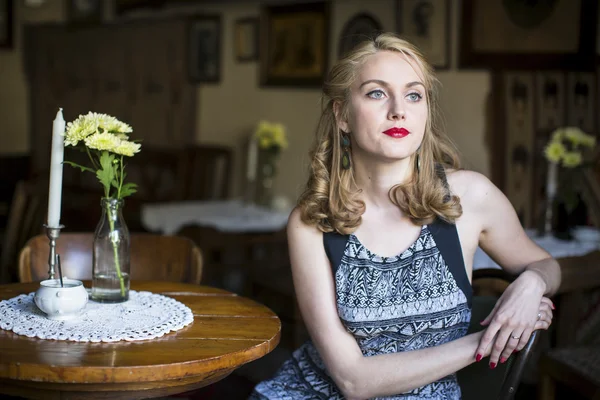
x,y
478,381
208,172
26,218
153,257
574,364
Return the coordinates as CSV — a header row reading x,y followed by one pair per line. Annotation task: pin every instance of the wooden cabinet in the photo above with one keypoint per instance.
x,y
134,71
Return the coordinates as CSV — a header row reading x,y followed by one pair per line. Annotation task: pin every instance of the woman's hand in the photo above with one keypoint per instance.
x,y
515,317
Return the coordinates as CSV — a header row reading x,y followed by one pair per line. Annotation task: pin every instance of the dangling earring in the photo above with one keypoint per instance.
x,y
418,162
346,163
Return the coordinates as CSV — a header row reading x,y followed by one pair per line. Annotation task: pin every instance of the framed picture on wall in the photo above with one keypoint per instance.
x,y
361,27
527,35
519,136
85,11
125,6
6,24
550,100
294,44
426,24
246,39
204,49
581,100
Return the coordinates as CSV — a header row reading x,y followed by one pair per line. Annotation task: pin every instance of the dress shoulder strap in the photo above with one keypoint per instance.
x,y
335,244
447,240
448,243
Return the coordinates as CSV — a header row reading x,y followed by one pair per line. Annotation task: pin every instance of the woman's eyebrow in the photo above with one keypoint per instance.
x,y
384,83
415,83
378,81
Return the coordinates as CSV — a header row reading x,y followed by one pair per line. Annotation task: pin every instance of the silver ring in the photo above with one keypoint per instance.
x,y
516,337
539,316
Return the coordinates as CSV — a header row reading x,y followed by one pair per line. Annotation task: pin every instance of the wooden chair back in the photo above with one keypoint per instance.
x,y
153,257
502,382
26,218
208,172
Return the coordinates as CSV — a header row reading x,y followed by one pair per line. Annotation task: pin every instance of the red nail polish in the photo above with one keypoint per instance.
x,y
478,358
514,351
502,360
554,308
492,365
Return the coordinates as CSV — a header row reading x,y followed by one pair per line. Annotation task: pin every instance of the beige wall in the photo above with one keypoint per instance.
x,y
228,111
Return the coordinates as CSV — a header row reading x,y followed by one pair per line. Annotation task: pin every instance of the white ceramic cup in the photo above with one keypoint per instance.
x,y
61,303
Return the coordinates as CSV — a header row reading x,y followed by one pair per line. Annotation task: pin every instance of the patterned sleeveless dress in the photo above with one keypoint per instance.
x,y
417,299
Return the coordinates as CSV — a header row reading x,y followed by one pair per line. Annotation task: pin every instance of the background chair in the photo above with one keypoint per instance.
x,y
153,257
572,368
478,381
25,219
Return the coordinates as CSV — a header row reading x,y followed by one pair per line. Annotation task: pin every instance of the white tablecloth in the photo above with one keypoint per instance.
x,y
236,216
586,240
223,215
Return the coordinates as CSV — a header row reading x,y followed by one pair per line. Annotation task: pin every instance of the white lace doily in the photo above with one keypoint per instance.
x,y
144,316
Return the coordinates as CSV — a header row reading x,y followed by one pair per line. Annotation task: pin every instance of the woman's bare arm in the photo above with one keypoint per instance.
x,y
515,316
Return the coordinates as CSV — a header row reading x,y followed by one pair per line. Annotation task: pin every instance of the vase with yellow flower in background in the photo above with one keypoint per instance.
x,y
271,140
106,141
567,154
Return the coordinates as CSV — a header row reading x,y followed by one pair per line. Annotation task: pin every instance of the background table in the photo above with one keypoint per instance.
x,y
228,331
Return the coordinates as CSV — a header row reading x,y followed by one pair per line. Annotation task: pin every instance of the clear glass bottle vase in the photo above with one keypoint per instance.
x,y
110,275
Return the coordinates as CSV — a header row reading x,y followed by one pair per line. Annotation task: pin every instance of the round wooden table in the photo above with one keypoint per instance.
x,y
228,331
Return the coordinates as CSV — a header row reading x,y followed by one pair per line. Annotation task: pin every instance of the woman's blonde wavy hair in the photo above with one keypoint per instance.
x,y
330,200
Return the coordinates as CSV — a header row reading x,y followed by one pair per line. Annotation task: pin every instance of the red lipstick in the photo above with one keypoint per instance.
x,y
397,133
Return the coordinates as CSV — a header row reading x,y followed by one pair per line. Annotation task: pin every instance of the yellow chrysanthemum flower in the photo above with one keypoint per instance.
x,y
558,135
103,141
574,135
279,136
78,130
127,148
571,159
264,142
588,141
270,135
554,151
91,123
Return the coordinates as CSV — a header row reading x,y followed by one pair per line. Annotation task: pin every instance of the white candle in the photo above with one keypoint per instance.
x,y
551,181
56,170
252,159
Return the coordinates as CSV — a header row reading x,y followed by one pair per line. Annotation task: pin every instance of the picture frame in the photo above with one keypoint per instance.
x,y
426,24
360,27
294,44
204,49
581,100
531,37
550,100
246,39
122,7
518,97
6,24
82,12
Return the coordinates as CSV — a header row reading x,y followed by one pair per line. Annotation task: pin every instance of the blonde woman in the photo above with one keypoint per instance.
x,y
382,245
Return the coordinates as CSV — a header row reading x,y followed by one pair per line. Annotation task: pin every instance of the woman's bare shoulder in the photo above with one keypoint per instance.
x,y
470,186
298,228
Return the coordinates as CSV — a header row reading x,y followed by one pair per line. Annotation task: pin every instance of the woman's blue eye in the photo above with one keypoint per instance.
x,y
376,94
414,97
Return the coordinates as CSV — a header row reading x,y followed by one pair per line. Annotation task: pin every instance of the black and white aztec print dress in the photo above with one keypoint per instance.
x,y
417,299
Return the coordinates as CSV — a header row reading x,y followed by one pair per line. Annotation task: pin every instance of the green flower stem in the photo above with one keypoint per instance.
x,y
116,253
91,158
